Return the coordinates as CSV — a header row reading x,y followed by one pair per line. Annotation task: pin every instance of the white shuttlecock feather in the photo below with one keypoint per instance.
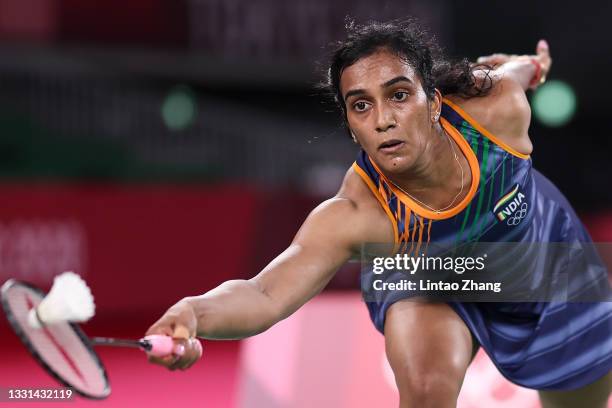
x,y
69,300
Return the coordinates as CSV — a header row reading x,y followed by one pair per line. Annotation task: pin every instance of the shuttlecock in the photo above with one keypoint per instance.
x,y
69,300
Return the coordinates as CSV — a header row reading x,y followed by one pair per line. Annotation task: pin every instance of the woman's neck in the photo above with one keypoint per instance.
x,y
436,178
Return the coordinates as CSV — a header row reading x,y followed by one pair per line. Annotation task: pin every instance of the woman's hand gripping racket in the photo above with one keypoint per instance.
x,y
47,327
179,322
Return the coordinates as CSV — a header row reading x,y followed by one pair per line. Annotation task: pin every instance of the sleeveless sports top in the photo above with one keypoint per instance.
x,y
542,345
496,208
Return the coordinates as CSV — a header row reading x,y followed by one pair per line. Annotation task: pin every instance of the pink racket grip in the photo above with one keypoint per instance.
x,y
162,346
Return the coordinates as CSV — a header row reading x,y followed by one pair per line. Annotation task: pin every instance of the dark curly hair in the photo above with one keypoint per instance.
x,y
411,43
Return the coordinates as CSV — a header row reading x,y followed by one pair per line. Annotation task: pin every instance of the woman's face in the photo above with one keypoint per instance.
x,y
388,111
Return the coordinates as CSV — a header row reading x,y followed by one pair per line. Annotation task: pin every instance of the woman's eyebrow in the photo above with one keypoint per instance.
x,y
395,80
354,92
387,84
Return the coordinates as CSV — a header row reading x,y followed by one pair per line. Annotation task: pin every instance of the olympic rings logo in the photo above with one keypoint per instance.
x,y
518,216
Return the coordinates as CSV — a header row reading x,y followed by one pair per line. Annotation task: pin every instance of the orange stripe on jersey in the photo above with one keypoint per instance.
x,y
406,233
475,170
382,202
484,131
403,247
414,229
421,228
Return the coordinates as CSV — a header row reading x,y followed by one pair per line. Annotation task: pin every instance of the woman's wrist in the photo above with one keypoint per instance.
x,y
538,77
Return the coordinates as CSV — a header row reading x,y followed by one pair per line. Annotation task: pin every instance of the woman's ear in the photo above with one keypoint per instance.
x,y
436,106
353,136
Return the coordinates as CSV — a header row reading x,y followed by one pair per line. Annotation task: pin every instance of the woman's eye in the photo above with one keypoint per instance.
x,y
360,106
400,95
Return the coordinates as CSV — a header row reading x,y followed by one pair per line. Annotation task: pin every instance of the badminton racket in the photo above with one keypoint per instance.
x,y
47,326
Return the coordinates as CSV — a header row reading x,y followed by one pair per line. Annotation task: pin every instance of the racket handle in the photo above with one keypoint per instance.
x,y
162,346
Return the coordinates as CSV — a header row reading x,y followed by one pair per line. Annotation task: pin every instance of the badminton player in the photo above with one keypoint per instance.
x,y
441,144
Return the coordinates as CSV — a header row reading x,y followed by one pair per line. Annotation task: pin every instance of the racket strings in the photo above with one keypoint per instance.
x,y
60,347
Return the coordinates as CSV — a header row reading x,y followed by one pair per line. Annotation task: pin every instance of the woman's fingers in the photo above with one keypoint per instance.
x,y
192,351
180,323
543,56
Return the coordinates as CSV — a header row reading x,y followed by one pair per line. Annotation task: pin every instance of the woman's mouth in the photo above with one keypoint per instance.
x,y
390,146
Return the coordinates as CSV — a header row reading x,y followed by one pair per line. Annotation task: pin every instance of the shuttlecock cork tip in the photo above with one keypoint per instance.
x,y
69,300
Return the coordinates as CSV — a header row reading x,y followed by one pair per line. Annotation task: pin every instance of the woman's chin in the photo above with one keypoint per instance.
x,y
394,165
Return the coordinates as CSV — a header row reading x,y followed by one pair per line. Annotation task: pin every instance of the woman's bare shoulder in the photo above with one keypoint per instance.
x,y
504,112
369,215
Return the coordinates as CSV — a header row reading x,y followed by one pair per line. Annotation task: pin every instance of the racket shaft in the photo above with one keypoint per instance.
x,y
156,344
110,341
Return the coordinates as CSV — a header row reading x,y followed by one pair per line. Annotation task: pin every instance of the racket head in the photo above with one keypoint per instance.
x,y
62,349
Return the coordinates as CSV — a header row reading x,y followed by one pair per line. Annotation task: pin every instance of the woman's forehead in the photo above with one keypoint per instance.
x,y
375,70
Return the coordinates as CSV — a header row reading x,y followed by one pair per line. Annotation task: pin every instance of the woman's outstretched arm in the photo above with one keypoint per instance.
x,y
528,70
